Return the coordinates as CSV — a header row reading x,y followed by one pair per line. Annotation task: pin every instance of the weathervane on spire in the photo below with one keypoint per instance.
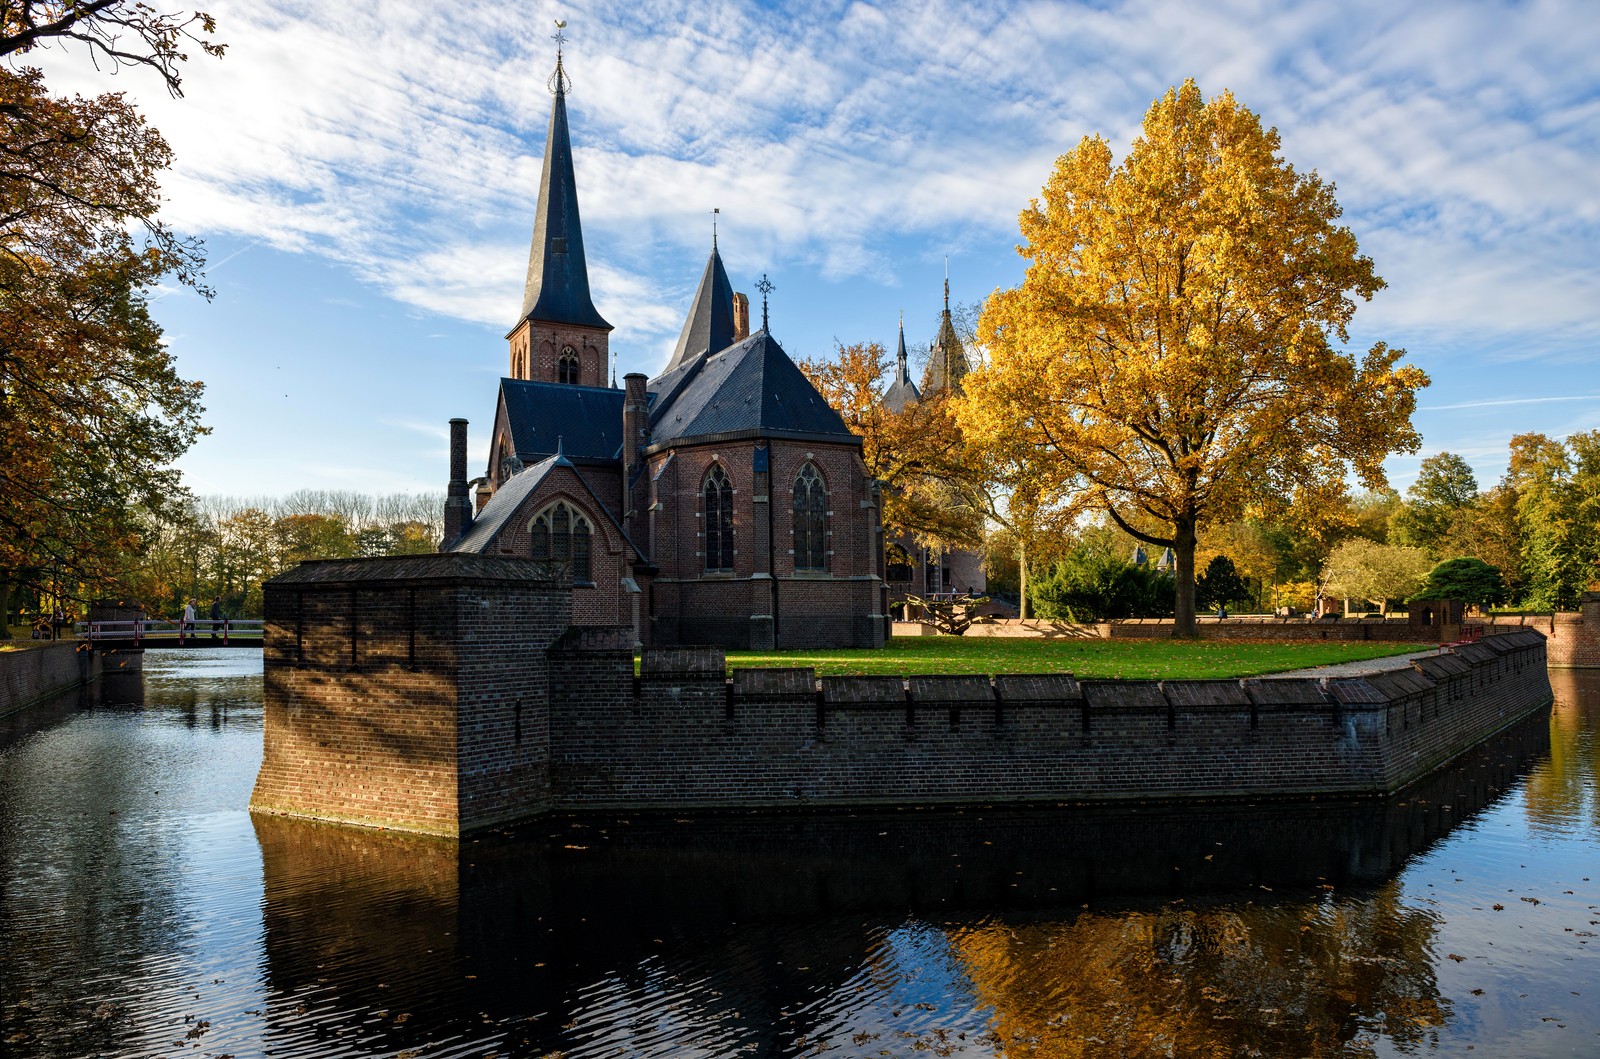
x,y
714,212
559,83
766,288
947,283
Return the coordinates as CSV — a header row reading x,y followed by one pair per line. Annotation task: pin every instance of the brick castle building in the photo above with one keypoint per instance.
x,y
723,502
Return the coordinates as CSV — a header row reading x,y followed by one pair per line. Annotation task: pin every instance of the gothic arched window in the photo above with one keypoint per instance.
x,y
810,521
561,535
718,494
567,365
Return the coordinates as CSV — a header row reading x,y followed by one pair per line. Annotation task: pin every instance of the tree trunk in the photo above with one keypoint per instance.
x,y
1022,577
1183,545
5,608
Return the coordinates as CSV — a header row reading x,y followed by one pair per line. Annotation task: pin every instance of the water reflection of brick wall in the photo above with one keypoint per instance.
x,y
447,693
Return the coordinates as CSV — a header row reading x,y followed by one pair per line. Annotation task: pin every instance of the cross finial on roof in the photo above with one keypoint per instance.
x,y
766,288
559,83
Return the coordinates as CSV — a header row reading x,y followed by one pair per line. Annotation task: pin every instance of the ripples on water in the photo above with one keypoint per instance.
x,y
143,912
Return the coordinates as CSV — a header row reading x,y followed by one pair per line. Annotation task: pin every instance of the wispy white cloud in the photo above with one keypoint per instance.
x,y
402,139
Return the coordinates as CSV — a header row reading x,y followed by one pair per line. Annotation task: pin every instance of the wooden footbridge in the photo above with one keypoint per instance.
x,y
200,633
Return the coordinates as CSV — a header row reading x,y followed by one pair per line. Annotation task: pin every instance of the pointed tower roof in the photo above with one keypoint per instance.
x,y
947,361
902,391
557,289
709,328
749,389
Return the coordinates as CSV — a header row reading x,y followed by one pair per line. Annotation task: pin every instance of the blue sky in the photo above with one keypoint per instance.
x,y
364,177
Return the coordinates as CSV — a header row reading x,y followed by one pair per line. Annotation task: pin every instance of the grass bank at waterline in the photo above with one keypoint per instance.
x,y
1086,659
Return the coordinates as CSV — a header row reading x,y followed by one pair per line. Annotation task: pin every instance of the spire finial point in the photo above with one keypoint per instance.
x,y
714,211
765,287
947,283
559,83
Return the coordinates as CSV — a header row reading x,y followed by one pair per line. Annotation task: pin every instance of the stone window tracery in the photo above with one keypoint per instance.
x,y
718,509
567,366
561,535
810,521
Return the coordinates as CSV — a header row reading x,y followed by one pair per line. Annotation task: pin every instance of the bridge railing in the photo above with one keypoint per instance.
x,y
162,633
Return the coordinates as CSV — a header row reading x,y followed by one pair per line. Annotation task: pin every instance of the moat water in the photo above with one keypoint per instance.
x,y
143,912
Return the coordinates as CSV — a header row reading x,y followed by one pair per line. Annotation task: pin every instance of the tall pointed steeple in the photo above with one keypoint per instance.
x,y
557,290
902,372
947,361
710,325
902,391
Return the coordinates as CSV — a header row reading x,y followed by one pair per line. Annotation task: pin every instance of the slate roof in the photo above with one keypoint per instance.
x,y
586,421
902,391
487,524
709,326
751,388
557,288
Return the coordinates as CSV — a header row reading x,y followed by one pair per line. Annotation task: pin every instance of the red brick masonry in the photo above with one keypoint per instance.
x,y
447,693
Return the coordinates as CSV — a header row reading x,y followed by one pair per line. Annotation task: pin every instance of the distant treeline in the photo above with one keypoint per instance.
x,y
223,547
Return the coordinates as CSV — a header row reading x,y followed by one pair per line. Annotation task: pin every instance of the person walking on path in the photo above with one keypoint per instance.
x,y
216,615
187,625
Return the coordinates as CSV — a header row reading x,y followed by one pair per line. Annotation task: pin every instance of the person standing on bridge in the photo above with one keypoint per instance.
x,y
216,615
187,625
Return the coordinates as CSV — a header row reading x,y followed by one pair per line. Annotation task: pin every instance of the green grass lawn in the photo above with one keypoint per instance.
x,y
1099,659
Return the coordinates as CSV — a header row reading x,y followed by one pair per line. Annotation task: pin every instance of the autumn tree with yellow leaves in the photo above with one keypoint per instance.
x,y
1171,346
917,451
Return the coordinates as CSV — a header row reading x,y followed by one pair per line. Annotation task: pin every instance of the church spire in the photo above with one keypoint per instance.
x,y
557,289
710,326
947,360
902,372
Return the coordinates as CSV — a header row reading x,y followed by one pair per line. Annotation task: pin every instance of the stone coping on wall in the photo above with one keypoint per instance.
x,y
756,686
454,567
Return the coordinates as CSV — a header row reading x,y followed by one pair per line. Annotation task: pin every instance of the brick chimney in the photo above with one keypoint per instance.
x,y
741,317
457,507
635,433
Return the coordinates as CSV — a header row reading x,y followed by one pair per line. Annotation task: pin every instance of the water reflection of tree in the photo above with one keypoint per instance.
x,y
1561,792
1303,978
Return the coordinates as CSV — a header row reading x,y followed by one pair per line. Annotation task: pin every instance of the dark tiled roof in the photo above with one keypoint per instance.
x,y
509,497
586,420
709,327
446,566
902,391
488,523
557,289
751,388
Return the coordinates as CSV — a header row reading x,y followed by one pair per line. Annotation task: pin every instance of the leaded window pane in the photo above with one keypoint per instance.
x,y
718,511
810,520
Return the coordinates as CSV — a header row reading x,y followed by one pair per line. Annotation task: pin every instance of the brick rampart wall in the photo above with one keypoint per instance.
x,y
409,692
1574,636
447,693
38,672
680,736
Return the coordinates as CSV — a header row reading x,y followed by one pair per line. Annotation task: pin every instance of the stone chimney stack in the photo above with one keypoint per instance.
x,y
635,431
741,317
457,507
